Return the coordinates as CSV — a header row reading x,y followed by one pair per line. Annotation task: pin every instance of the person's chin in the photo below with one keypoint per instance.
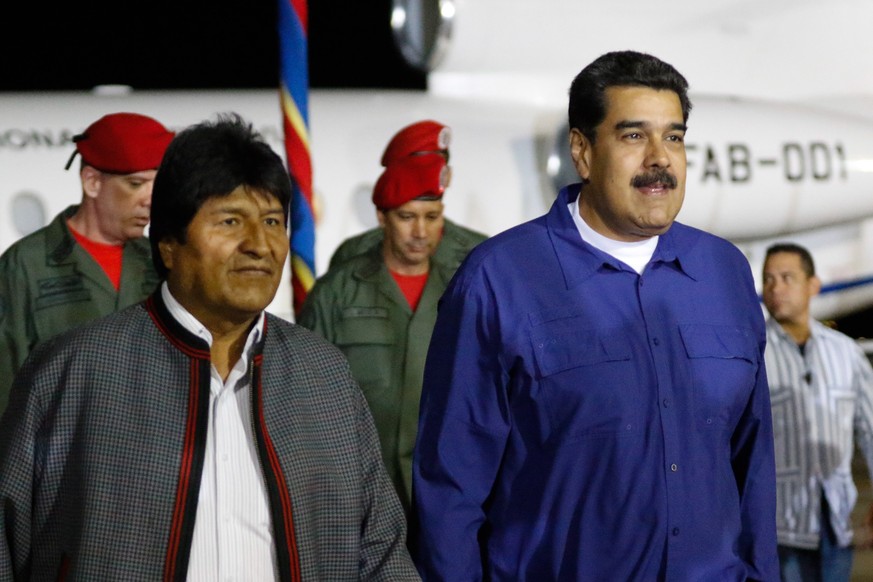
x,y
659,223
416,254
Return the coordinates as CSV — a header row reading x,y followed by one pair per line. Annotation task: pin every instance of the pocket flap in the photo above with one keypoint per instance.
x,y
718,341
566,350
364,326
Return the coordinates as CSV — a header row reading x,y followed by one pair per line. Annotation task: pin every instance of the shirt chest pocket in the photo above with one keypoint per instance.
x,y
367,338
60,291
587,382
62,303
722,363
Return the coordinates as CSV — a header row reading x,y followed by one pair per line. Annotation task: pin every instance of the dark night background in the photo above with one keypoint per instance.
x,y
193,45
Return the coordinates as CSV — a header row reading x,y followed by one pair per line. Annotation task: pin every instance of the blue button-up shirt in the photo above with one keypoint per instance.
x,y
582,422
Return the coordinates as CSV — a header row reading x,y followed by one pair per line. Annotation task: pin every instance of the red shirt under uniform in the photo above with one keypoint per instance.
x,y
412,287
107,256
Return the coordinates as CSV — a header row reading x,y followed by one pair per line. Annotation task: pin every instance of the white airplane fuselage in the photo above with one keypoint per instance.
x,y
758,171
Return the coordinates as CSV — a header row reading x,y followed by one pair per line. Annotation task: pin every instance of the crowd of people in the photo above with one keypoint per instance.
x,y
595,394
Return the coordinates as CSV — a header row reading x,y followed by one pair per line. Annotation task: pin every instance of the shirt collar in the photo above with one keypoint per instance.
x,y
814,330
634,254
193,325
677,245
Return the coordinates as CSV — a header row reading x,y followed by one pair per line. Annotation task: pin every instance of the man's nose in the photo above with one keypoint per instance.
x,y
255,239
147,194
657,156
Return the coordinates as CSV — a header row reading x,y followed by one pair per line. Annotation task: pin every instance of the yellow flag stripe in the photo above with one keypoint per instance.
x,y
292,113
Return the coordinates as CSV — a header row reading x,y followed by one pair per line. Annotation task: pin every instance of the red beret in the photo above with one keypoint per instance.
x,y
423,136
411,178
123,143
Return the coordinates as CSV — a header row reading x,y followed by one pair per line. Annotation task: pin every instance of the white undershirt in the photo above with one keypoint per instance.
x,y
233,537
634,254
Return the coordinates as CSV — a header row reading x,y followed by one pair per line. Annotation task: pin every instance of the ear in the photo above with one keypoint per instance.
x,y
92,180
814,286
381,217
167,248
580,151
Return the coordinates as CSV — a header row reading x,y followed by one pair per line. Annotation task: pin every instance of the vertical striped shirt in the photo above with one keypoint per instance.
x,y
821,398
233,537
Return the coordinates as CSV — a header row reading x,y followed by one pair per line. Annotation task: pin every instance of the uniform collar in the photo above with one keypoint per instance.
x,y
59,240
370,264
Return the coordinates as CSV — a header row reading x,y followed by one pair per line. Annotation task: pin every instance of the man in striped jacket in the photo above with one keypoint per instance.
x,y
193,436
821,394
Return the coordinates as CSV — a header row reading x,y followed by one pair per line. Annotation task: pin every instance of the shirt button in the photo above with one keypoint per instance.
x,y
666,403
674,467
656,341
675,531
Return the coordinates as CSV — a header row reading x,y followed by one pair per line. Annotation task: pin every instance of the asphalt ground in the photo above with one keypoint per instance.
x,y
862,566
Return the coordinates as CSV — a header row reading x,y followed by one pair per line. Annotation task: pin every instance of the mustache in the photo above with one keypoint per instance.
x,y
661,176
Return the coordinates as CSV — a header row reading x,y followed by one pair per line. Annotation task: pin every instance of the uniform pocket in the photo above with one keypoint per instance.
x,y
60,291
364,325
367,338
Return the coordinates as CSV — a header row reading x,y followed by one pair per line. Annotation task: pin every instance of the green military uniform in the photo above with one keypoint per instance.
x,y
457,241
358,307
49,284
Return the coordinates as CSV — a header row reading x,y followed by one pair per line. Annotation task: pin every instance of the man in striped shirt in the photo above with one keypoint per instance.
x,y
821,393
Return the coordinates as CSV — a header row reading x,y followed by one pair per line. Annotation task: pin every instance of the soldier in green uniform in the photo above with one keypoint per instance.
x,y
92,259
379,307
415,139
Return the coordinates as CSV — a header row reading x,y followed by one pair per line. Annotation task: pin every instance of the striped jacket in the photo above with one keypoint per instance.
x,y
821,400
102,449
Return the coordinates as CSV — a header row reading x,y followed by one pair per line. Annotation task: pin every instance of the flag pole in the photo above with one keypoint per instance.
x,y
294,101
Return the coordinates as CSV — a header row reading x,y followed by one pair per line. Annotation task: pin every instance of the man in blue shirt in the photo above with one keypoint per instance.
x,y
595,403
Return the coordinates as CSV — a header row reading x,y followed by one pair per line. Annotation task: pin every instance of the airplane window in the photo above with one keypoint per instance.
x,y
362,204
28,213
559,165
422,29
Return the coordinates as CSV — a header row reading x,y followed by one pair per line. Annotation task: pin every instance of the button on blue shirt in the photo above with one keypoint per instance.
x,y
543,451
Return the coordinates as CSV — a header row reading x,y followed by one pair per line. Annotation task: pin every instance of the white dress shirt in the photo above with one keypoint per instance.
x,y
233,536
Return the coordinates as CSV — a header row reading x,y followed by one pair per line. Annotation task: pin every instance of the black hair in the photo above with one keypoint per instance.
x,y
806,262
207,160
620,69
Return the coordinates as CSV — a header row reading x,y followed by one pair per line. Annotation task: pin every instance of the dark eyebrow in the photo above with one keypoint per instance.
x,y
227,209
631,124
239,209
